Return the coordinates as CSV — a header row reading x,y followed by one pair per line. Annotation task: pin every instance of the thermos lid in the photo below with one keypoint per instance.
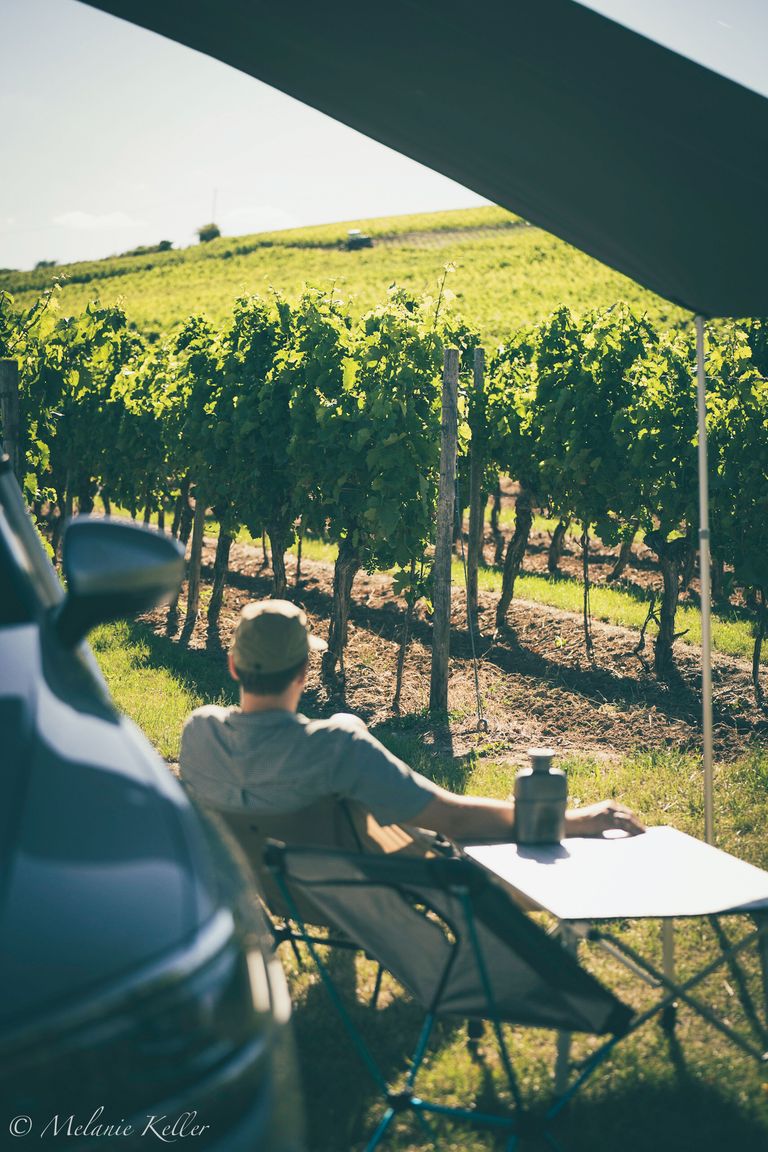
x,y
541,758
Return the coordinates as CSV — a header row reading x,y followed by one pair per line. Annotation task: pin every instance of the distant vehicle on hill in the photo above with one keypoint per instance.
x,y
358,239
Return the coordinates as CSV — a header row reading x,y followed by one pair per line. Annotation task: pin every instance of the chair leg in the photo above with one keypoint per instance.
x,y
376,988
554,1144
296,953
380,1132
426,1126
475,1033
281,934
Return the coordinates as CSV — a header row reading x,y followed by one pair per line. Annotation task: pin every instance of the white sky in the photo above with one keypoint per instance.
x,y
114,137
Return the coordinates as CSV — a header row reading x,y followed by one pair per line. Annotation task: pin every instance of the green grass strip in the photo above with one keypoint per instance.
x,y
156,682
730,634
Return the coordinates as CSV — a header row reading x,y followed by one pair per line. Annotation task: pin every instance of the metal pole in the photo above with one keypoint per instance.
x,y
704,566
476,503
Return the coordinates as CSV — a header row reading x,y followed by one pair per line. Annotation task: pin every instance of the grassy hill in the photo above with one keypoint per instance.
x,y
506,273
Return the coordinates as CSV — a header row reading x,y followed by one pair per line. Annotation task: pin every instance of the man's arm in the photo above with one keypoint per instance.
x,y
474,818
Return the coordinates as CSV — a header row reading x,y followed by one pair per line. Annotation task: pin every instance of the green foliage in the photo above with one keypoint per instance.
x,y
737,370
581,410
399,359
609,496
327,428
366,420
20,340
512,433
259,422
208,232
595,418
141,470
659,436
201,421
72,383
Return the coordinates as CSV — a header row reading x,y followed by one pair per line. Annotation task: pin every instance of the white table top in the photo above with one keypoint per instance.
x,y
662,873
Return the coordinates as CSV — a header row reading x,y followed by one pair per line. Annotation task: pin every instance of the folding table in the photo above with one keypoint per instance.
x,y
663,874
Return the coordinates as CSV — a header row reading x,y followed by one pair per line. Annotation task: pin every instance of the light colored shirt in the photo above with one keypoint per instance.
x,y
280,761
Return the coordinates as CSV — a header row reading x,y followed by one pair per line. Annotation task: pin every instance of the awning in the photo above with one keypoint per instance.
x,y
645,159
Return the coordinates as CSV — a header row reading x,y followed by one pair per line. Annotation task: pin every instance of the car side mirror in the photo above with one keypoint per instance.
x,y
114,569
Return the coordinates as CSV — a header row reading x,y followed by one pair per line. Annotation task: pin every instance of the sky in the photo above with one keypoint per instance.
x,y
115,137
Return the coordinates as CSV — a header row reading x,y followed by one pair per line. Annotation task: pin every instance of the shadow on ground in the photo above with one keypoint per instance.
x,y
667,1110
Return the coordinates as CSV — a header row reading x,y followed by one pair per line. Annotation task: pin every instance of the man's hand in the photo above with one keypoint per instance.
x,y
605,816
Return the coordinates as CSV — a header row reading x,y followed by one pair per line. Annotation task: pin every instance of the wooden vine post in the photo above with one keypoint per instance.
x,y
476,502
195,562
441,619
9,415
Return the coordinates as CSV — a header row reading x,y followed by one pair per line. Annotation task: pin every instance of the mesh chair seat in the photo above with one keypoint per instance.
x,y
425,921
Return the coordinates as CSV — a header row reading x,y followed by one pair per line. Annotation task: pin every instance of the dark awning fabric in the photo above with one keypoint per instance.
x,y
641,157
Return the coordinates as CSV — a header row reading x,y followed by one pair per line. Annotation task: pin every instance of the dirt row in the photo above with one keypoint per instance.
x,y
537,683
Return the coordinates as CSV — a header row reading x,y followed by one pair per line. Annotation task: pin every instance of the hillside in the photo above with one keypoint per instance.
x,y
506,273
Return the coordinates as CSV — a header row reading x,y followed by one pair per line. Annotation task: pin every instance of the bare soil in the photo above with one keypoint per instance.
x,y
537,684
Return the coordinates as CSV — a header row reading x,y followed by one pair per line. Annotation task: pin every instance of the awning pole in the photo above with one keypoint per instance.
x,y
705,580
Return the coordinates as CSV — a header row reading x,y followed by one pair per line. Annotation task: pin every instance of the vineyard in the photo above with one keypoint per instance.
x,y
291,440
306,418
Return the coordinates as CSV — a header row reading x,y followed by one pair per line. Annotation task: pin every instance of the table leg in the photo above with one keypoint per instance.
x,y
569,939
760,920
668,948
562,1062
669,1013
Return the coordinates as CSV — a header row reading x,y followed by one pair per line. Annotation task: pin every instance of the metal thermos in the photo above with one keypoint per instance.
x,y
541,796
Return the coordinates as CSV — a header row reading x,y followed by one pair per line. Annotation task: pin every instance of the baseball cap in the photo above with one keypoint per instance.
x,y
272,636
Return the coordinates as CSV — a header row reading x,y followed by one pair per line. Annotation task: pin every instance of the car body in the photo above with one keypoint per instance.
x,y
357,239
138,987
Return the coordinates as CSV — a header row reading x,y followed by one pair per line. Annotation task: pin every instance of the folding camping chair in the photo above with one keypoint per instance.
x,y
462,948
329,823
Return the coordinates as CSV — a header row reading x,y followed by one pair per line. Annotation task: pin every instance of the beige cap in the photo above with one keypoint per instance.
x,y
272,636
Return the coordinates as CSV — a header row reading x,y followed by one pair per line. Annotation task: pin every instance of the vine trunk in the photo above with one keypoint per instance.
x,y
220,569
671,556
344,571
515,553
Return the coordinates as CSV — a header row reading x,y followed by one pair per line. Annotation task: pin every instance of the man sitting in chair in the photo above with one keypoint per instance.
x,y
265,755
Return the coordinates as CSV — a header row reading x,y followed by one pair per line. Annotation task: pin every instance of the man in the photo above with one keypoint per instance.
x,y
266,756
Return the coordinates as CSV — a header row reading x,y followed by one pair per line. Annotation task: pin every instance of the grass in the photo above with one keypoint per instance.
x,y
157,683
730,634
691,1091
540,523
503,277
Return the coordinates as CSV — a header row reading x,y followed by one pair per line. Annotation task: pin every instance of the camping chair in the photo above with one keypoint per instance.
x,y
462,948
329,823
